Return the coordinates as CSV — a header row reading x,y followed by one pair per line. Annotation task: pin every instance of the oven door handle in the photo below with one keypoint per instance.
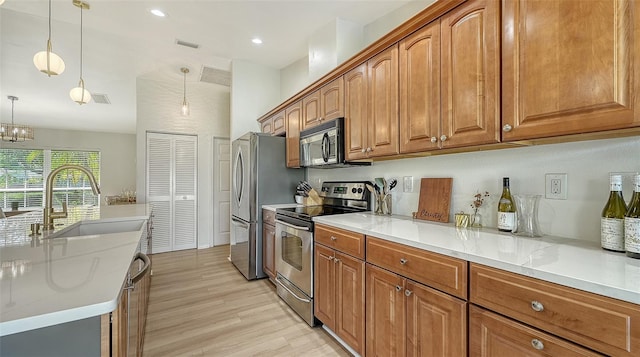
x,y
291,292
293,225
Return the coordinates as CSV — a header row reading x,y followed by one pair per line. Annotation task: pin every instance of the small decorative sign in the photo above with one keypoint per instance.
x,y
435,199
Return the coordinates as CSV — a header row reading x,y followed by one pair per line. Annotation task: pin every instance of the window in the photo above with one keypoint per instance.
x,y
23,174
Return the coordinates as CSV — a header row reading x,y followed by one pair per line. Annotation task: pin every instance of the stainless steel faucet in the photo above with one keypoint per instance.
x,y
49,213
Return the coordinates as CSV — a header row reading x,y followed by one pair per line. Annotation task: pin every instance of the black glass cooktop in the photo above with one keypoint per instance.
x,y
308,212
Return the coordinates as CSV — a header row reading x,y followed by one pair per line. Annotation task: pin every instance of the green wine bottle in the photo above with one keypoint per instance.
x,y
506,209
612,221
632,223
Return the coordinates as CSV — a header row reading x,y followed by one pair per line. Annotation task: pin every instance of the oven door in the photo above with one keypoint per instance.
x,y
294,253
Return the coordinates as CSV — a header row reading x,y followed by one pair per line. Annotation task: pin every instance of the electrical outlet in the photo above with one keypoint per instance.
x,y
407,184
556,186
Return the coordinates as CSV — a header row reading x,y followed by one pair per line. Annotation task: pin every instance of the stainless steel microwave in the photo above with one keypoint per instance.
x,y
323,146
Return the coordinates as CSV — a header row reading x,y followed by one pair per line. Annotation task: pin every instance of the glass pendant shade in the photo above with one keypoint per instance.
x,y
79,94
48,62
185,111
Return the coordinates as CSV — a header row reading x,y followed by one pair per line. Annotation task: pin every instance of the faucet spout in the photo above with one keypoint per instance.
x,y
49,213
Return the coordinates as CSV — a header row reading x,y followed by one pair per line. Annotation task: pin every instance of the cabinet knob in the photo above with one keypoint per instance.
x,y
334,238
537,344
507,128
398,288
434,139
335,260
443,138
369,149
364,150
403,261
408,292
537,306
330,258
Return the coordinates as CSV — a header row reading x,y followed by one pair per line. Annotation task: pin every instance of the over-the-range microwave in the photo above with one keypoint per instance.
x,y
323,146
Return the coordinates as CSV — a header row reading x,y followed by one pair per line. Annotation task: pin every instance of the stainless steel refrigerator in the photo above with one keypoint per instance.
x,y
259,176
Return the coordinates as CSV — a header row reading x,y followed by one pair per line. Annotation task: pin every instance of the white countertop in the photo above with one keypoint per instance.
x,y
281,205
569,262
46,282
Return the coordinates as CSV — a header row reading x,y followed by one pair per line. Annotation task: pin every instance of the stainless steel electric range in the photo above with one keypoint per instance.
x,y
294,241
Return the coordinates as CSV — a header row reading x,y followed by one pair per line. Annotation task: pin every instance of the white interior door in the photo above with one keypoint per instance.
x,y
172,190
222,191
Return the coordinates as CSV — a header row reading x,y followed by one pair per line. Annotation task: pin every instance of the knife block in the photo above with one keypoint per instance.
x,y
313,200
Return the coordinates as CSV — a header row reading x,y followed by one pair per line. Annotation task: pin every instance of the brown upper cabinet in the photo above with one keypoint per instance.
x,y
293,115
324,104
371,107
274,125
569,67
450,80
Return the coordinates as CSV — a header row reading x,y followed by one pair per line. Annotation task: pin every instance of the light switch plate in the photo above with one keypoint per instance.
x,y
407,184
556,186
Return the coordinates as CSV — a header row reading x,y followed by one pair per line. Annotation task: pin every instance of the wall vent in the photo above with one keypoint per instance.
x,y
215,76
187,44
100,98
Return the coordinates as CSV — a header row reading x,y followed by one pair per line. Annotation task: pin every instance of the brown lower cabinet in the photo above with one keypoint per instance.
x,y
408,318
339,281
493,335
269,243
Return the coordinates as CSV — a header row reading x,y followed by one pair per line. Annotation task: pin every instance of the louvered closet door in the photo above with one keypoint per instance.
x,y
171,190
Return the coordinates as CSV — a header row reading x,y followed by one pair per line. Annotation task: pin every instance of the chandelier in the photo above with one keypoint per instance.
x,y
15,132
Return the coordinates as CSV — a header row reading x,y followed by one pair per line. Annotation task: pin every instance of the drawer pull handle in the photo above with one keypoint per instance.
x,y
537,344
403,261
333,238
398,287
537,306
408,292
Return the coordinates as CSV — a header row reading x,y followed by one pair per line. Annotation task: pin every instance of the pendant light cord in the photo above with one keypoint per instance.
x,y
12,100
49,21
184,87
81,46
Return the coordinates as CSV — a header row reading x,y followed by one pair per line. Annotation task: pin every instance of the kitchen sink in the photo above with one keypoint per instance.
x,y
85,228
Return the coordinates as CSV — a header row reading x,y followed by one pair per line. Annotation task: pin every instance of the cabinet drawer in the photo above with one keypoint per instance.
x,y
493,335
606,325
432,269
345,241
268,217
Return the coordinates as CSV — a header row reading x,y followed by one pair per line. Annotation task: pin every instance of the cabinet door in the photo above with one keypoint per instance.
x,y
471,74
293,116
383,119
493,335
386,321
420,89
311,110
332,100
350,294
436,322
569,67
278,123
267,126
268,250
355,113
324,283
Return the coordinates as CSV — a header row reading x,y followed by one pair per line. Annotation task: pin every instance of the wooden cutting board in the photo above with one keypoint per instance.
x,y
435,199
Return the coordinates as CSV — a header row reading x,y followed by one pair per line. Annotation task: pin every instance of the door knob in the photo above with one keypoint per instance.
x,y
443,138
507,128
434,139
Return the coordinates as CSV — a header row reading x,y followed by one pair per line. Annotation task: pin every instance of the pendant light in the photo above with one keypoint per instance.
x,y
184,110
46,61
79,94
12,132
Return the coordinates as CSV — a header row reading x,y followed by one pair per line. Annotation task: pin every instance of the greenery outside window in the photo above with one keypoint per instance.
x,y
23,175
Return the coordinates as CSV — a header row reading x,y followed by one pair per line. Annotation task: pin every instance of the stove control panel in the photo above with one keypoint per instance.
x,y
345,190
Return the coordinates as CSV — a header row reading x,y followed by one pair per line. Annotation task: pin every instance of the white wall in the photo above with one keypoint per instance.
x,y
294,78
587,164
117,153
158,110
255,90
382,26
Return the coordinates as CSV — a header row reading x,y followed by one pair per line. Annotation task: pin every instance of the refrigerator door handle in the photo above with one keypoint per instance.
x,y
237,222
238,186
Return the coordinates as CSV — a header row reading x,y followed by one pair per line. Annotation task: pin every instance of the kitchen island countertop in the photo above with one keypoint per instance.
x,y
570,262
46,282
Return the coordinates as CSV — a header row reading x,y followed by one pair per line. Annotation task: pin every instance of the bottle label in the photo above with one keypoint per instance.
x,y
632,234
507,220
612,234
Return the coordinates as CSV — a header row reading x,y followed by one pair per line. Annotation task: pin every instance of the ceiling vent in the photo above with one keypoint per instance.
x,y
100,98
215,76
187,44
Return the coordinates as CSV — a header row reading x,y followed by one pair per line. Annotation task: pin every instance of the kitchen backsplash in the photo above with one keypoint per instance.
x,y
586,163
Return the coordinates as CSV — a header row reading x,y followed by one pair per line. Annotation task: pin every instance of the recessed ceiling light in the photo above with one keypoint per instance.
x,y
158,13
257,41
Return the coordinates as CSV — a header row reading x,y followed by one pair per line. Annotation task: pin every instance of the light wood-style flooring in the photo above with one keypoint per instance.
x,y
200,305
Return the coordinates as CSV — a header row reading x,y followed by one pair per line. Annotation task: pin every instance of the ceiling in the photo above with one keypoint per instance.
x,y
122,42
